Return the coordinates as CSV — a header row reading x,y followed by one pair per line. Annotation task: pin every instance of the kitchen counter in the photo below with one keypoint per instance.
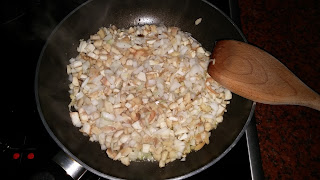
x,y
289,137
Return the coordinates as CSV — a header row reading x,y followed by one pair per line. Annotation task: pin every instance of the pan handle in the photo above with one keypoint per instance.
x,y
70,166
60,167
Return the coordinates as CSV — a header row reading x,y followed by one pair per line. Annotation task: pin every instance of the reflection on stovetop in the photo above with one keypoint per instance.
x,y
26,146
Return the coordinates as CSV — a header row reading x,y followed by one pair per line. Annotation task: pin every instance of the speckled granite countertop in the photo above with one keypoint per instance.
x,y
289,136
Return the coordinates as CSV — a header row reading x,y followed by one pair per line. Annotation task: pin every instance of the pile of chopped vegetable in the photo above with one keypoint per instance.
x,y
144,93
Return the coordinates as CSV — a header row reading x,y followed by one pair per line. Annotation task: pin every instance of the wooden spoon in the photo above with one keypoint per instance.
x,y
254,74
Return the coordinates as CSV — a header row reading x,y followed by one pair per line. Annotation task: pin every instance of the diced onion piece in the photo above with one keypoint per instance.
x,y
82,46
228,94
86,128
145,148
136,125
75,119
90,48
142,76
198,21
123,45
108,116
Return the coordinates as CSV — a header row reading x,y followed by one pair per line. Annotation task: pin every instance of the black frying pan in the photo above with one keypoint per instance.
x,y
51,82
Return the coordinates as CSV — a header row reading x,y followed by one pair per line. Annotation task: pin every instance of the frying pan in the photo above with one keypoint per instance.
x,y
51,82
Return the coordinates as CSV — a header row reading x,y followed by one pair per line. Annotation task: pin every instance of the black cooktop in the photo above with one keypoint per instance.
x,y
25,144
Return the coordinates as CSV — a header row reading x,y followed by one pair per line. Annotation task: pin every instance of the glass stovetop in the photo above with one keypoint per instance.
x,y
25,144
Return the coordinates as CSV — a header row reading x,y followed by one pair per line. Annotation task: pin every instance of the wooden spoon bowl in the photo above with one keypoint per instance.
x,y
254,74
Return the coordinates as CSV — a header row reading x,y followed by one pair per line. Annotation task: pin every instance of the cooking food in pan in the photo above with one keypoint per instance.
x,y
144,93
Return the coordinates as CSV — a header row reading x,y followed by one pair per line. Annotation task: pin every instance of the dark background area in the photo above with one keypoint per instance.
x,y
289,135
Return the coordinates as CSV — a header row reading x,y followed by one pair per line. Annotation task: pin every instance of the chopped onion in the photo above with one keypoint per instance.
x,y
108,116
123,45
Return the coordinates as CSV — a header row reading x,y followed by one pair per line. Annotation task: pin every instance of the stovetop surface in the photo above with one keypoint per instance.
x,y
25,144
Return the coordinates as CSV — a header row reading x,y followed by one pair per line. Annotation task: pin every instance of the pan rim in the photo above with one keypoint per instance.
x,y
50,132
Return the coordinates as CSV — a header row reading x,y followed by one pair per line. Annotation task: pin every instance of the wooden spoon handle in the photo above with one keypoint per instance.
x,y
256,75
314,101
